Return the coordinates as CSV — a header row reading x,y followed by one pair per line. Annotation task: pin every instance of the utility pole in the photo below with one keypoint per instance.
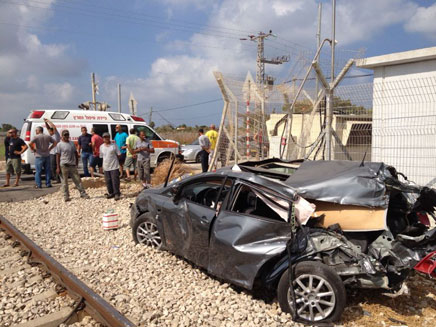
x,y
94,90
149,115
119,98
260,81
261,60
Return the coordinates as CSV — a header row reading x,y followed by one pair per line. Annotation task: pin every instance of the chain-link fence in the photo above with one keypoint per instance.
x,y
255,126
393,121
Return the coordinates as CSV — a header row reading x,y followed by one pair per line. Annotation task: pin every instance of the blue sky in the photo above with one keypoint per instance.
x,y
165,51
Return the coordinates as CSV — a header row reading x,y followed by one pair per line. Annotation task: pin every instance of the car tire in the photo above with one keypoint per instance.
x,y
145,231
311,306
198,158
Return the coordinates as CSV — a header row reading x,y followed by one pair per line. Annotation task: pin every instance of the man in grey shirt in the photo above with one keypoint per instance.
x,y
204,142
41,145
110,153
143,149
67,159
53,132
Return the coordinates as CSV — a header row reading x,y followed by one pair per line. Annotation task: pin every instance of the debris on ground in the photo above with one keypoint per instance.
x,y
161,171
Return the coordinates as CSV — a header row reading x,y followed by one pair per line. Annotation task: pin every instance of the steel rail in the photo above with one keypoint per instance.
x,y
95,305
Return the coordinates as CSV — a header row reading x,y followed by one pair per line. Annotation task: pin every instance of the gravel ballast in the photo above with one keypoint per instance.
x,y
156,288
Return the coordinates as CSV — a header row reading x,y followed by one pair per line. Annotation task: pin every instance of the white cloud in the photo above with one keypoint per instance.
x,y
32,72
59,92
423,21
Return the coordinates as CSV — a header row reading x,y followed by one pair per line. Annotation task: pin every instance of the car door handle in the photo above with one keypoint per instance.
x,y
204,221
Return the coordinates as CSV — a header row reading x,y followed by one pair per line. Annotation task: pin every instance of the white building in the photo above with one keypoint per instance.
x,y
404,111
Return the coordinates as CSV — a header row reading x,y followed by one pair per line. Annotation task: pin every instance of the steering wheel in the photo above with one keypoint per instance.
x,y
209,197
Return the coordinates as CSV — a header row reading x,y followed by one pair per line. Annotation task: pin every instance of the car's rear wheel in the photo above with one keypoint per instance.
x,y
319,291
145,232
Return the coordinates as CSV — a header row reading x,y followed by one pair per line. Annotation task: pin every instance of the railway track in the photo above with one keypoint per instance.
x,y
36,290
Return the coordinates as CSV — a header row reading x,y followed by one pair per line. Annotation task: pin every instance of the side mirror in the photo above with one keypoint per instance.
x,y
174,189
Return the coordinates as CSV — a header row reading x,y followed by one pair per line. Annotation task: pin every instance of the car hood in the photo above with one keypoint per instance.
x,y
189,147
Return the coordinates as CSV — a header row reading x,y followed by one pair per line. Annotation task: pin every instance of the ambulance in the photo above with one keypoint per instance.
x,y
101,122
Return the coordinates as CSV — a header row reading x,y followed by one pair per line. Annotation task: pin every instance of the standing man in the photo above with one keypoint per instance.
x,y
143,149
6,142
53,132
67,159
96,142
85,148
120,140
131,155
212,135
41,145
111,167
205,149
15,149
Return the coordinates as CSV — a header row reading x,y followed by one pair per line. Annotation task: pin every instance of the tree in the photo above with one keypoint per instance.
x,y
6,127
152,124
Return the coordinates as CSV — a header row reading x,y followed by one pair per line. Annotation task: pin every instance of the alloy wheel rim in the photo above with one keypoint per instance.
x,y
315,298
147,233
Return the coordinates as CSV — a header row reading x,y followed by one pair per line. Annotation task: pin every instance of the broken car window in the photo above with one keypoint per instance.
x,y
262,204
204,192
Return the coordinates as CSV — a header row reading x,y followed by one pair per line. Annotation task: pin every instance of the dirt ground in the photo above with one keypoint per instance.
x,y
372,308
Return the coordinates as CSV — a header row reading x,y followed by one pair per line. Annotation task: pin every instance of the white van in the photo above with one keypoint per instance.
x,y
101,121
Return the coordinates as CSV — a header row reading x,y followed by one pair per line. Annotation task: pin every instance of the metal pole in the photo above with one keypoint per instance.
x,y
236,132
318,39
329,98
149,116
247,121
119,98
93,91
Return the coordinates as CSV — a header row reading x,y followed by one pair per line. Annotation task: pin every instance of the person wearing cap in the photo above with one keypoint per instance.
x,y
131,156
16,147
110,153
67,160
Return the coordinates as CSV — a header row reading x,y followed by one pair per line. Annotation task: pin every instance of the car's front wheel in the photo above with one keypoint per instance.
x,y
319,292
145,231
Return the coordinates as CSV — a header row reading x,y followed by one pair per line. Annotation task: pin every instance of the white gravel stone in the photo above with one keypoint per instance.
x,y
154,288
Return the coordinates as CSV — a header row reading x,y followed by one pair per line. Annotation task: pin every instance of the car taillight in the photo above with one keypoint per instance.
x,y
136,118
37,114
27,138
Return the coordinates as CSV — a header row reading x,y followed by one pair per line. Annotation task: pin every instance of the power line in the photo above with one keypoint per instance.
x,y
187,106
125,18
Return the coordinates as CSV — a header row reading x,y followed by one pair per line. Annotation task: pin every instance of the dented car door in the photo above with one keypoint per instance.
x,y
242,241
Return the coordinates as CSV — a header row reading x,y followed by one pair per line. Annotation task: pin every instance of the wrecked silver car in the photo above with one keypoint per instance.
x,y
338,224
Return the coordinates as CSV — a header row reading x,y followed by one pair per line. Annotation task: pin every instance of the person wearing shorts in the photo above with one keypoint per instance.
x,y
16,148
120,140
131,156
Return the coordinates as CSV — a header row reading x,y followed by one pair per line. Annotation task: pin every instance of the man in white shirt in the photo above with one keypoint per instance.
x,y
110,153
204,142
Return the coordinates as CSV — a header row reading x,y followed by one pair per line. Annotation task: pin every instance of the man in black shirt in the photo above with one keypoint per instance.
x,y
16,148
85,148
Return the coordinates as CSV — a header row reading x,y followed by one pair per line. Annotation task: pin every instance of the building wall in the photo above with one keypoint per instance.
x,y
404,118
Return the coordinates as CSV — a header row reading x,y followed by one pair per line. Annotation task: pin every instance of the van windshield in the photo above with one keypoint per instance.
x,y
150,134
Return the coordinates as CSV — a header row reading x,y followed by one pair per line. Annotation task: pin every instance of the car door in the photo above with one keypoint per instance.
x,y
246,234
187,221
